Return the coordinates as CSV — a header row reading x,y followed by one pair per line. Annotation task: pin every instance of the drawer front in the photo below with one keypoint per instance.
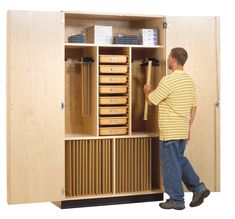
x,y
113,58
109,69
113,121
113,110
112,79
113,89
113,131
113,100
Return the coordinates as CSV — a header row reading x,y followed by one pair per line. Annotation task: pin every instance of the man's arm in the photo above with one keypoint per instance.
x,y
192,116
154,97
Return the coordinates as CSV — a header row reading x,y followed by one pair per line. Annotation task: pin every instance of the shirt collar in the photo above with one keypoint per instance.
x,y
178,71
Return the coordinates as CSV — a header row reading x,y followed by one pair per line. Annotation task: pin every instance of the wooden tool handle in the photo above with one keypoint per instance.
x,y
148,83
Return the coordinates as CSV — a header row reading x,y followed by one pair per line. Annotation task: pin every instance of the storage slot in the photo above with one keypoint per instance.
x,y
113,131
117,89
120,59
81,91
113,120
136,162
113,110
88,166
139,77
113,69
113,79
121,100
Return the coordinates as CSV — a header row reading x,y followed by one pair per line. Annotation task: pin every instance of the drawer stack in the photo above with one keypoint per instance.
x,y
113,94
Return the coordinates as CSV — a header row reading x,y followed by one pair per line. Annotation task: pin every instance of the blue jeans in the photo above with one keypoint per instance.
x,y
177,168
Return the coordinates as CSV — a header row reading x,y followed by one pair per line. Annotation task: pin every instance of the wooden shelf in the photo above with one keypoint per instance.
x,y
82,45
133,135
110,17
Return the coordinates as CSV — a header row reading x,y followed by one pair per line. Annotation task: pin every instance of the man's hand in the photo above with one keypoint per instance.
x,y
147,88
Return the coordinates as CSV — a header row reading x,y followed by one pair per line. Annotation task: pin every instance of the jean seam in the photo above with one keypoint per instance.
x,y
168,172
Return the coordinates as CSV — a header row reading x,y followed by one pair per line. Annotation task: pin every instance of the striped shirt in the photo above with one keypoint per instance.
x,y
175,95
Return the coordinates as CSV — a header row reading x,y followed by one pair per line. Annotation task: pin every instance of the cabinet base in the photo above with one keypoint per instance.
x,y
110,201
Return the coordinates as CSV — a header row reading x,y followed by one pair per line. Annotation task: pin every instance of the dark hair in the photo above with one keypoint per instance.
x,y
180,54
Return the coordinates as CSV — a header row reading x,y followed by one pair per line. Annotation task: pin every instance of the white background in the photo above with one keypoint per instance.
x,y
217,204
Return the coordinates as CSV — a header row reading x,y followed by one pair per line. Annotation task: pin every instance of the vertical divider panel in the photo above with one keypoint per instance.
x,y
89,164
147,165
129,164
80,167
125,164
74,167
114,165
150,161
97,166
77,167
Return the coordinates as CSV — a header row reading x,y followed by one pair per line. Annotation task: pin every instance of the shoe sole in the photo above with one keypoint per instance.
x,y
171,208
201,200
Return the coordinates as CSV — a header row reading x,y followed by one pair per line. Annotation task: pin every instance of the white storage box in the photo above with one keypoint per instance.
x,y
99,34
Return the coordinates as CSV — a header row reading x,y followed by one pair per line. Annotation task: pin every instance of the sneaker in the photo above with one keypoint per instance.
x,y
198,197
170,204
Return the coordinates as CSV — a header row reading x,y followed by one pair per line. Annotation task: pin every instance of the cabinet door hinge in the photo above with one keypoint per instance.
x,y
62,105
217,104
165,25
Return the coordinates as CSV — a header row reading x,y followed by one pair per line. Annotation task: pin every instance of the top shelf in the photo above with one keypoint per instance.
x,y
113,16
82,45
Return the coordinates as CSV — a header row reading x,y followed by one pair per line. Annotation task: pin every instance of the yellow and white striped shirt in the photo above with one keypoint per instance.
x,y
175,95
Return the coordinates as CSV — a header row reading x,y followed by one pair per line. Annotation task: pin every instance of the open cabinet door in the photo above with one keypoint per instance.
x,y
200,37
35,122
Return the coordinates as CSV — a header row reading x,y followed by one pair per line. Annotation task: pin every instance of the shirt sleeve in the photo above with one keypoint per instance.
x,y
194,102
160,93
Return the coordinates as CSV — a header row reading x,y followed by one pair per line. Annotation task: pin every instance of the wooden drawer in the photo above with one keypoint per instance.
x,y
113,131
113,79
113,58
113,100
113,120
113,69
112,89
122,110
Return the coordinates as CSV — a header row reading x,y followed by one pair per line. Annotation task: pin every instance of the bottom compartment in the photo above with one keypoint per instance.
x,y
137,165
108,167
88,167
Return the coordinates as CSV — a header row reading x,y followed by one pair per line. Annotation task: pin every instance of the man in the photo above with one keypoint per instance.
x,y
176,97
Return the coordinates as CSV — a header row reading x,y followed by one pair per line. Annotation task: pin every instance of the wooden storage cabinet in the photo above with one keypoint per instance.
x,y
99,151
76,134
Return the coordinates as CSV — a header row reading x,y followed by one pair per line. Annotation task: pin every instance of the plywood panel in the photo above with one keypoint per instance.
x,y
198,36
36,120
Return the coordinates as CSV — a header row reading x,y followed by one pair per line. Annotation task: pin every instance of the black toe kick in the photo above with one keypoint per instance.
x,y
110,201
